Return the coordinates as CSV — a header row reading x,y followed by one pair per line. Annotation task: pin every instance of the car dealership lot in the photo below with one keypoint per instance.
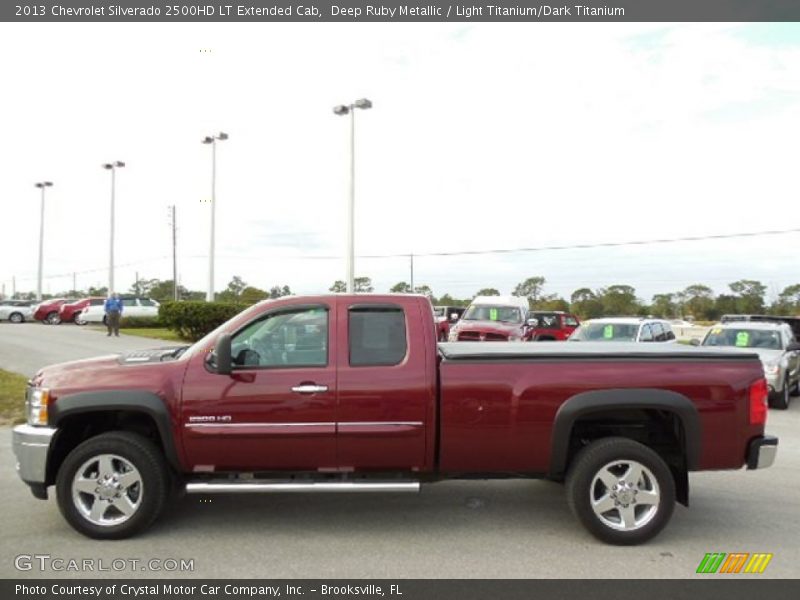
x,y
455,529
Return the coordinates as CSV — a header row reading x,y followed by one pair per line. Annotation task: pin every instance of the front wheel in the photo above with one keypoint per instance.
x,y
16,317
112,486
80,320
53,318
621,490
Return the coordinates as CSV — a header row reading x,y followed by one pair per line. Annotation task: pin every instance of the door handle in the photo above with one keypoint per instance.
x,y
310,388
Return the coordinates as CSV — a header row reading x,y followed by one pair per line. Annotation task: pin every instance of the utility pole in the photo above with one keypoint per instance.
x,y
74,281
42,185
212,140
112,166
174,225
13,286
411,256
136,284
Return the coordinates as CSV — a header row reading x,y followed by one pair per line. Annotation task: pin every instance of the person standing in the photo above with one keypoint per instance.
x,y
113,310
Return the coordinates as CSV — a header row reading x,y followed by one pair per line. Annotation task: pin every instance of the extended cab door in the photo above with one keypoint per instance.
x,y
386,384
277,410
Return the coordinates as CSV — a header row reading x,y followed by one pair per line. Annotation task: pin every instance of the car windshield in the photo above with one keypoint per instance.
x,y
489,312
605,332
739,337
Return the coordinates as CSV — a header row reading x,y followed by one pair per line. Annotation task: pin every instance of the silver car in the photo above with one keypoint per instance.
x,y
16,311
776,347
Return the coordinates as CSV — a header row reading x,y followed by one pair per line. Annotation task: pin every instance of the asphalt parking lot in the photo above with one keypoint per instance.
x,y
455,529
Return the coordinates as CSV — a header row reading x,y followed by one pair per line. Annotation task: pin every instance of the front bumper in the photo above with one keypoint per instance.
x,y
761,452
32,447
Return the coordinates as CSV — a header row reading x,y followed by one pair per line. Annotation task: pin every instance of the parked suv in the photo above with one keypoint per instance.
x,y
131,307
551,326
445,317
492,319
793,322
71,311
47,311
623,329
776,347
16,311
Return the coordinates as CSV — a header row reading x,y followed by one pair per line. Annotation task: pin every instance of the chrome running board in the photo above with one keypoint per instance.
x,y
255,486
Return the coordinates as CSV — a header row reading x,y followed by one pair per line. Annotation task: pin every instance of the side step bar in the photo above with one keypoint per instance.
x,y
255,486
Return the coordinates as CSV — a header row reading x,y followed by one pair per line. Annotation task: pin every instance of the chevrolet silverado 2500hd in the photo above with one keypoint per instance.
x,y
353,393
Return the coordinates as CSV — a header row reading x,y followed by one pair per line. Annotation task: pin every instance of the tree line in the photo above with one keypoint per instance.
x,y
698,301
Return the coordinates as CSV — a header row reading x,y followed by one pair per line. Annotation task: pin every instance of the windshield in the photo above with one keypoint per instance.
x,y
488,312
740,337
605,332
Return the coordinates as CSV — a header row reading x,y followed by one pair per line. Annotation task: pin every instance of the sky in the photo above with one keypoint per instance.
x,y
482,136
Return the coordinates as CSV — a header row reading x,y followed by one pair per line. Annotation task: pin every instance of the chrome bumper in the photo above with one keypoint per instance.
x,y
31,447
761,452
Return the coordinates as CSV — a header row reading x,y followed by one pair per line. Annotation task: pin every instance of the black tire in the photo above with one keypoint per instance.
x,y
153,489
583,484
53,318
105,320
780,400
16,317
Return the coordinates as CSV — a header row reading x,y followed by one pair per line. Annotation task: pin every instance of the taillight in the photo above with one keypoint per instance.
x,y
759,395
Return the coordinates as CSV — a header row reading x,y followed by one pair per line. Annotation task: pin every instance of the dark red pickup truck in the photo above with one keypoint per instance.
x,y
352,393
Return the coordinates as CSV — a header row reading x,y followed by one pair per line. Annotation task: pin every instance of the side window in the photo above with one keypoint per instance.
x,y
97,302
646,334
377,336
295,338
129,302
658,332
669,335
570,321
146,302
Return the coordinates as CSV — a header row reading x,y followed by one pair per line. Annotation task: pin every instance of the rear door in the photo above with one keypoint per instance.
x,y
384,386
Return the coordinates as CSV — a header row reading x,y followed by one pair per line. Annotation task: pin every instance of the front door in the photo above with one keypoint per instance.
x,y
277,410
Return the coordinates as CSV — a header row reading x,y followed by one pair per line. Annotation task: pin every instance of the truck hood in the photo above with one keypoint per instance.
x,y
114,370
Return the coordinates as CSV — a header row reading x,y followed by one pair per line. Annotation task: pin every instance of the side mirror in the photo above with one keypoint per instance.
x,y
532,323
694,342
793,347
453,317
222,352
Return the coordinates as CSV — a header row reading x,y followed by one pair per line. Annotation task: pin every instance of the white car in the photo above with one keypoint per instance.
x,y
623,329
131,307
16,311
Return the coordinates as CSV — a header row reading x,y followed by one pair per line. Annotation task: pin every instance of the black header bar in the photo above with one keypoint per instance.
x,y
398,11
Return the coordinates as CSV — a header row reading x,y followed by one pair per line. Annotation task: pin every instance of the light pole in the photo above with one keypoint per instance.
x,y
113,168
213,139
42,185
342,110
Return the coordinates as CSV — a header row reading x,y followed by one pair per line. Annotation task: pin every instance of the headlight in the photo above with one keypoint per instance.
x,y
37,406
452,336
771,369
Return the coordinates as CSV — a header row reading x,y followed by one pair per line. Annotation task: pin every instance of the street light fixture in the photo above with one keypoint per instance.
x,y
213,139
342,110
42,185
112,166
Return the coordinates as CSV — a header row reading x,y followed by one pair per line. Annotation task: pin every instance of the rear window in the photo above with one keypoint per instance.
x,y
605,332
377,336
97,302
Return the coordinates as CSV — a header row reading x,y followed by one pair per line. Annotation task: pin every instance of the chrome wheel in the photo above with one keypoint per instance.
x,y
15,318
53,318
624,495
107,490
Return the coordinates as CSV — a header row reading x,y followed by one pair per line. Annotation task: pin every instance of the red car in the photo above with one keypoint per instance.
x,y
352,393
446,317
551,325
70,311
47,311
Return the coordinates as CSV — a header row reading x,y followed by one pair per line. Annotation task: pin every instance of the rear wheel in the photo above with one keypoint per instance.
x,y
53,318
780,400
621,490
113,485
16,317
79,320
